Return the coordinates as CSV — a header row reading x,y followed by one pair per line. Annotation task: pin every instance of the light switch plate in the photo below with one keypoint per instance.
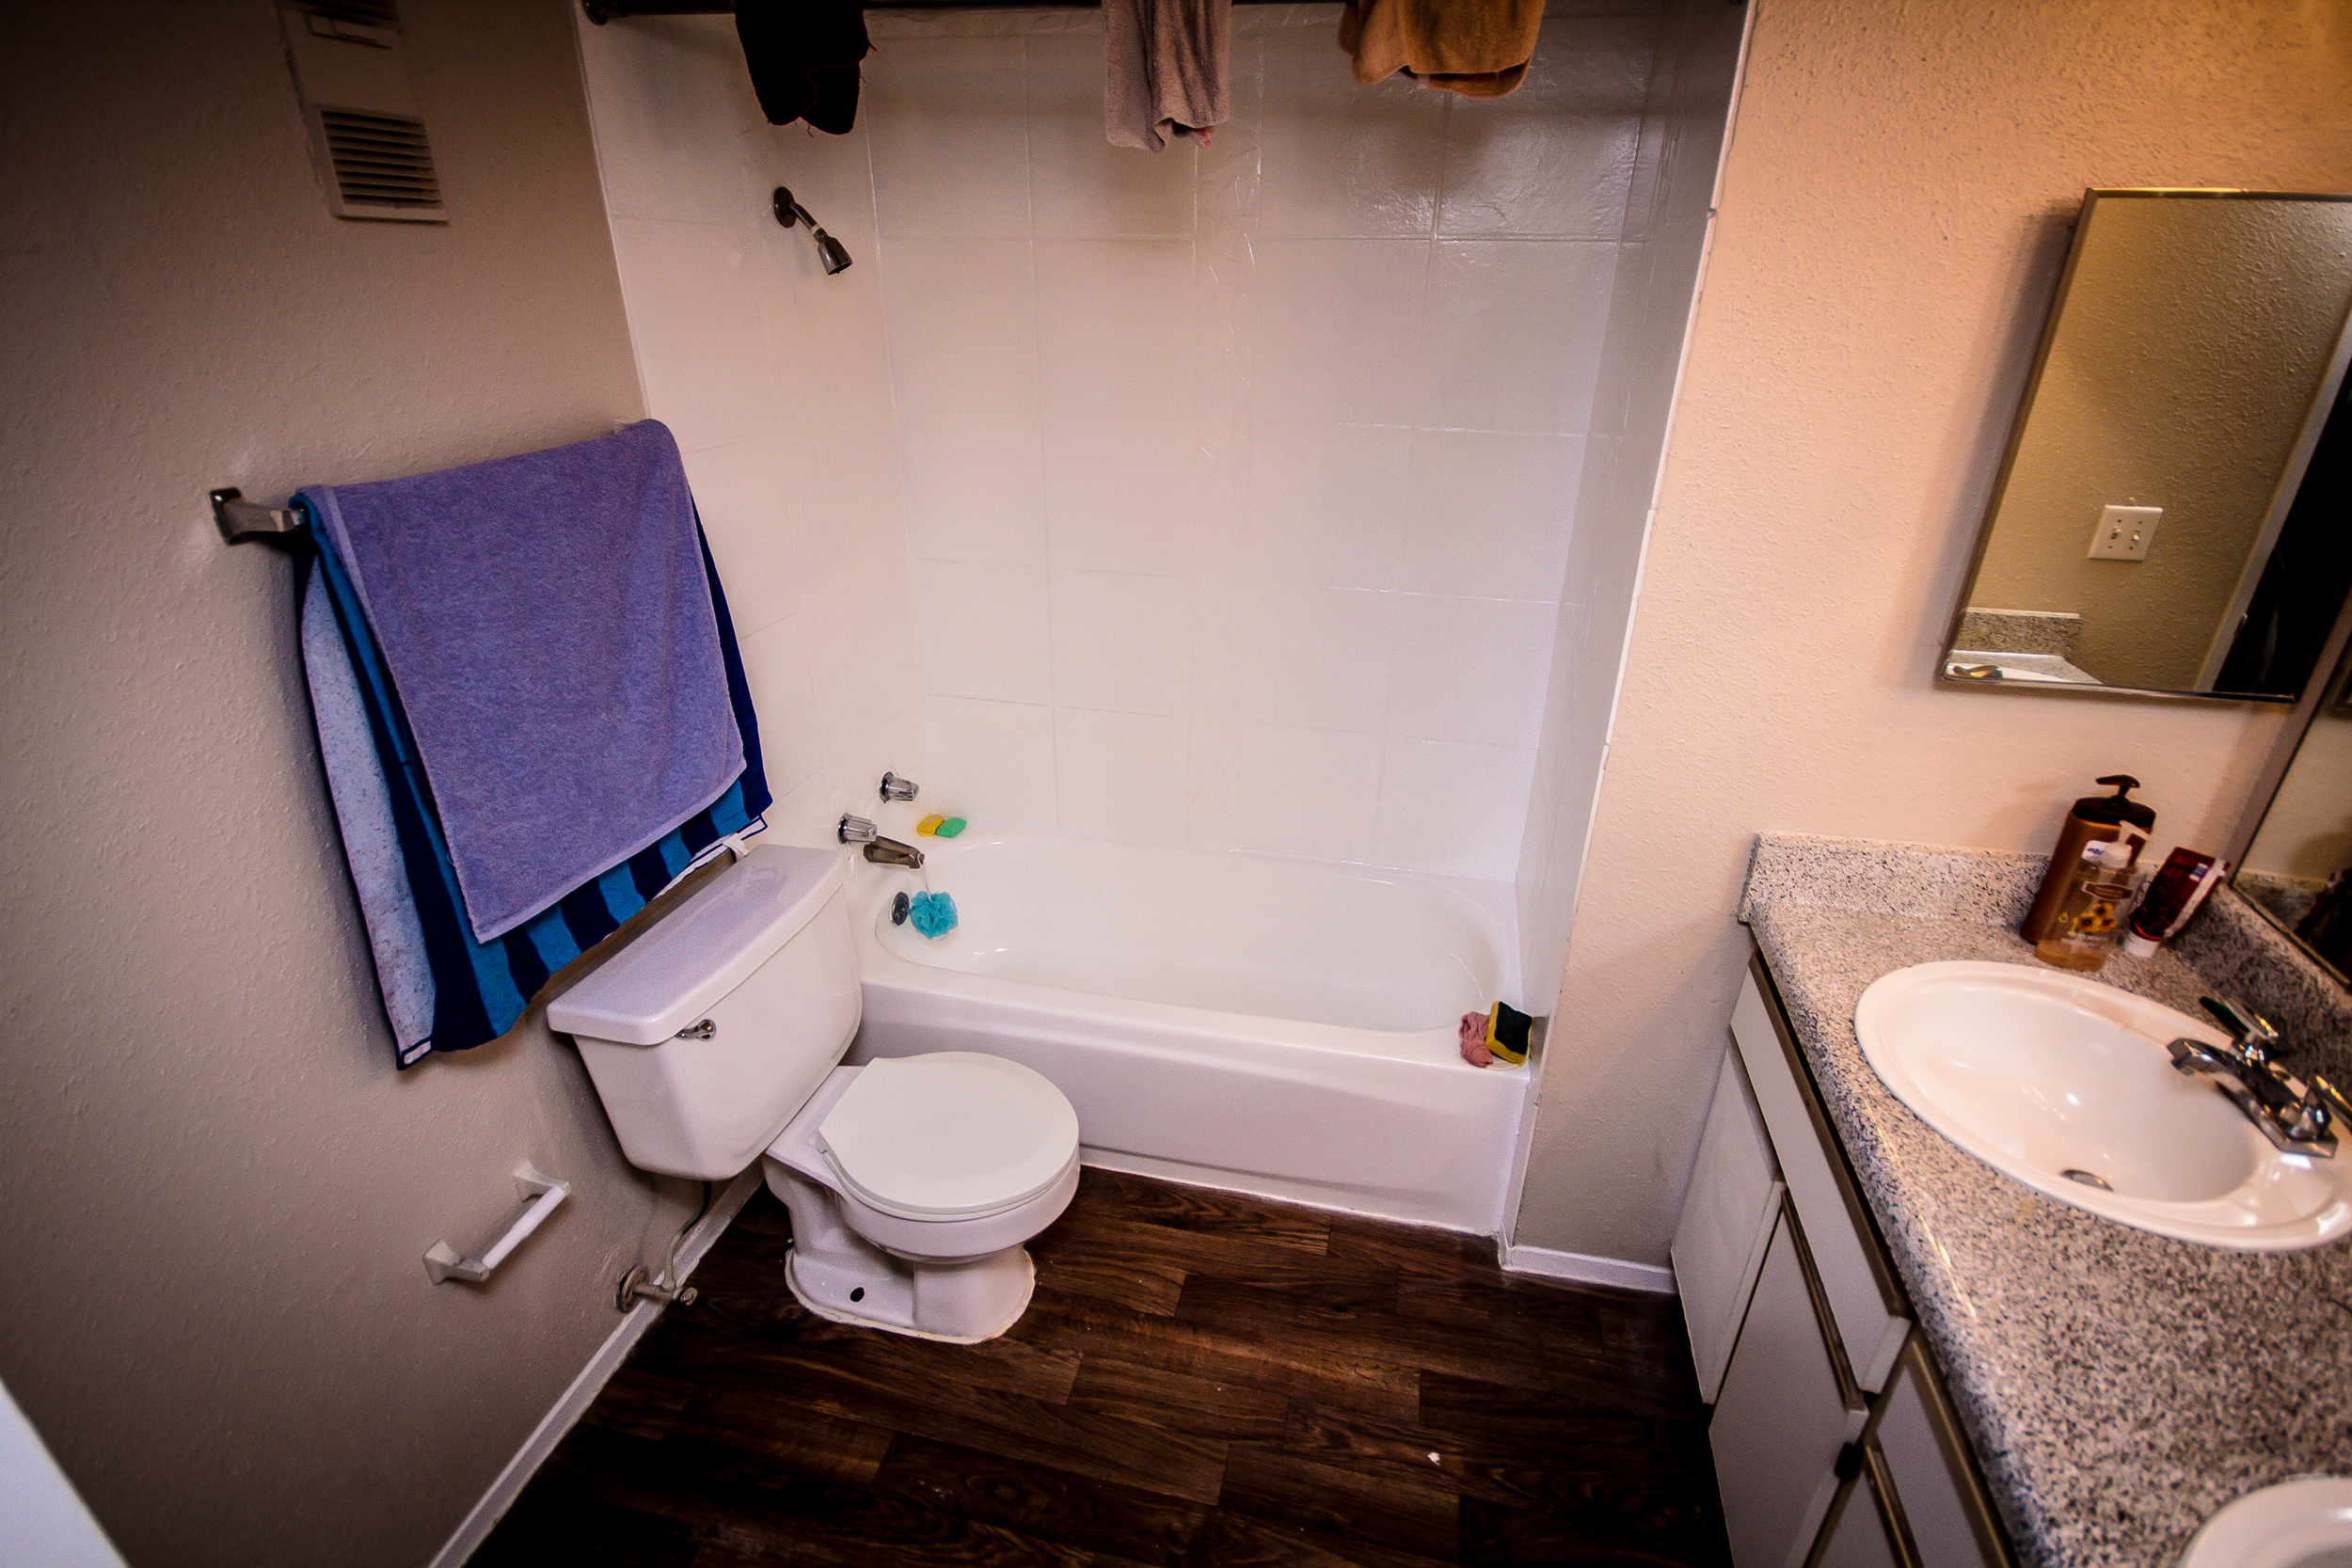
x,y
2125,533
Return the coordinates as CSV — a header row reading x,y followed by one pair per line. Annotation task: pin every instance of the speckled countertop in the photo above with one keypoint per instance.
x,y
2120,1386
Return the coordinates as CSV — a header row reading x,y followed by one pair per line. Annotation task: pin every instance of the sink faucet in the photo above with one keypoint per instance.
x,y
2296,1116
881,851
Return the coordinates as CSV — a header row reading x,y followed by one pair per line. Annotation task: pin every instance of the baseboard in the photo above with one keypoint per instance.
x,y
1544,1262
478,1523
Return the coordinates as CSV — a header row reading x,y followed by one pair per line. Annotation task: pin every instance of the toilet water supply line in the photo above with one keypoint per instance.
x,y
636,1286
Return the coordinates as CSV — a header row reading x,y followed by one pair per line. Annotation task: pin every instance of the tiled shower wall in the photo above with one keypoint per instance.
x,y
775,380
1239,480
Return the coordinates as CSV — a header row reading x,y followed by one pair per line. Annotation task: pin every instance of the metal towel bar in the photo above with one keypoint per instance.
x,y
241,519
541,1192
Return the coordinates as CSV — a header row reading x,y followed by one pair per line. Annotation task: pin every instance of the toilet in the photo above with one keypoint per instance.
x,y
716,1038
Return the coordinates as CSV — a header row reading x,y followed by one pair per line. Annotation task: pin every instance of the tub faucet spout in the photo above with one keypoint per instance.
x,y
881,851
889,851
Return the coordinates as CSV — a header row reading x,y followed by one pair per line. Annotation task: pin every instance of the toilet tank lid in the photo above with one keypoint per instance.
x,y
672,974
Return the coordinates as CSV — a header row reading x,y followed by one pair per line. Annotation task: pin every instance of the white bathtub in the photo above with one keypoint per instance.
x,y
1273,1026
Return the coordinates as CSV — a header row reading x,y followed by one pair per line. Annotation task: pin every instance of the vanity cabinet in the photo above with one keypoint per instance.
x,y
1834,1443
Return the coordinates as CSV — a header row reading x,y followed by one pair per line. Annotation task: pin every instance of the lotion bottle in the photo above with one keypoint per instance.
x,y
2091,906
2096,818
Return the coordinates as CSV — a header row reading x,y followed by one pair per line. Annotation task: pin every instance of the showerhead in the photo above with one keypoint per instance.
x,y
831,253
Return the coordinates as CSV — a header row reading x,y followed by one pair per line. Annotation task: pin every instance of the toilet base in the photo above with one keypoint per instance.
x,y
966,1302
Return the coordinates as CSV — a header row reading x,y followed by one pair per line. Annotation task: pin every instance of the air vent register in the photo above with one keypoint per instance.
x,y
368,140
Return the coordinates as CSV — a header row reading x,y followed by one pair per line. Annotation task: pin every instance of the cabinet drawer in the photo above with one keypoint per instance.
x,y
1865,1305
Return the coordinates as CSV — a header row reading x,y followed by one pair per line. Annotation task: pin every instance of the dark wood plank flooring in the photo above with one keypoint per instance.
x,y
1203,1380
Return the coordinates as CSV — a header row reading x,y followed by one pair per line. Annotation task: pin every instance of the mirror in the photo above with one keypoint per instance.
x,y
2168,518
2297,867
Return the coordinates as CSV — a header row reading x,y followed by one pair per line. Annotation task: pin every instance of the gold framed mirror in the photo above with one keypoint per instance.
x,y
2152,529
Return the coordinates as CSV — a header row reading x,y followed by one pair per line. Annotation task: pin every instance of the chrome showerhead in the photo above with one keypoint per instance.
x,y
831,253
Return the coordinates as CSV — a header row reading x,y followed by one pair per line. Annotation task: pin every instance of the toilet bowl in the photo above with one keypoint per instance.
x,y
715,1038
913,1182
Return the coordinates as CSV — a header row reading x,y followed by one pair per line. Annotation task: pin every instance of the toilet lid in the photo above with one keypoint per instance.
x,y
948,1135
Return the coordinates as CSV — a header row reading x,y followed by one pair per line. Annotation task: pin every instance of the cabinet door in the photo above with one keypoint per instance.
x,y
1726,1224
1783,1416
1862,1533
1943,1509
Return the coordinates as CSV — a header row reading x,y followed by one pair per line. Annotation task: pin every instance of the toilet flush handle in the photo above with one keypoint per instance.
x,y
702,1031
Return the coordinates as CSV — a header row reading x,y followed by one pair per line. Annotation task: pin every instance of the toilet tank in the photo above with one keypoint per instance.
x,y
761,953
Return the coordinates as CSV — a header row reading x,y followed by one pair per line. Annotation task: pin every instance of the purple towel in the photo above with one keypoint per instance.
x,y
548,626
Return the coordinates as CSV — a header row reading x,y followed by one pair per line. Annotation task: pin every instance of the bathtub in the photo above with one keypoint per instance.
x,y
1273,1026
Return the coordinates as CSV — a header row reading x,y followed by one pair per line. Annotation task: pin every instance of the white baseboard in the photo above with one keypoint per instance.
x,y
1546,1263
475,1528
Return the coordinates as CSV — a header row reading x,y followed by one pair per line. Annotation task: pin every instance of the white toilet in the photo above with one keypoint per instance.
x,y
716,1038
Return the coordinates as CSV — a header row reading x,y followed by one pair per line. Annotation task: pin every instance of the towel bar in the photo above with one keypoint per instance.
x,y
541,1191
241,519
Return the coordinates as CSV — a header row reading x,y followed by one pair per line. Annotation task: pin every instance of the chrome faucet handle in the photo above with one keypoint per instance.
x,y
2308,1119
856,830
896,788
2253,1033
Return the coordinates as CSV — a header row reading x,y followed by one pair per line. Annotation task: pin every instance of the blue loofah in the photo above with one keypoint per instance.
x,y
933,914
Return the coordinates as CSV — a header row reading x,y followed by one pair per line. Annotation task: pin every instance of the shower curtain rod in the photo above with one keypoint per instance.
x,y
602,11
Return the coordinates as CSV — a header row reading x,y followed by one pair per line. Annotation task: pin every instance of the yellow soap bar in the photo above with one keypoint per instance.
x,y
929,824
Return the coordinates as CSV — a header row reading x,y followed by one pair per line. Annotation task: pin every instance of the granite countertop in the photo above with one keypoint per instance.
x,y
2120,1386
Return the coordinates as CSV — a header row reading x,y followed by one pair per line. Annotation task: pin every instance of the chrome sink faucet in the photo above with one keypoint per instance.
x,y
2296,1116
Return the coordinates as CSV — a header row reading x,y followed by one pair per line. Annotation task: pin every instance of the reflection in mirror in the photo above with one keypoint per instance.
x,y
2299,868
2169,517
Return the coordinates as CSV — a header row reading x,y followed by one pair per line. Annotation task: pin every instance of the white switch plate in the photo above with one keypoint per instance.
x,y
2125,533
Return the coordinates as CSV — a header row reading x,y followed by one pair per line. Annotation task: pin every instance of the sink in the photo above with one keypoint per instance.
x,y
2064,1083
2304,1523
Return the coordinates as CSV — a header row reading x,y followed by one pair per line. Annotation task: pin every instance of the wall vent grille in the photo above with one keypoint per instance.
x,y
383,164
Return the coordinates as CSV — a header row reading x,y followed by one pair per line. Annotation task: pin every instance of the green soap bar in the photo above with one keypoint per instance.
x,y
950,828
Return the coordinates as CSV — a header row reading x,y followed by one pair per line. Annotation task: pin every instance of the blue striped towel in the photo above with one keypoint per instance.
x,y
444,989
546,621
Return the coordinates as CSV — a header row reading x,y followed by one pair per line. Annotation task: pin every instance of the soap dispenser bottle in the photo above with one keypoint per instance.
x,y
2096,818
2091,906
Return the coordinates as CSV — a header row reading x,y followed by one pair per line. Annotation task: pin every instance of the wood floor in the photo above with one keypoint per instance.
x,y
1203,1380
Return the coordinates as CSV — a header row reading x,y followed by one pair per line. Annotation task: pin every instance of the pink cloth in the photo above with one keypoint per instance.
x,y
1474,1050
1164,69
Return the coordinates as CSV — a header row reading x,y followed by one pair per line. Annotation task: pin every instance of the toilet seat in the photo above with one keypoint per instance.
x,y
950,1136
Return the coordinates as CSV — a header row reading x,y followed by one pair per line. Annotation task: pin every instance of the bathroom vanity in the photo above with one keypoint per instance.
x,y
1914,1359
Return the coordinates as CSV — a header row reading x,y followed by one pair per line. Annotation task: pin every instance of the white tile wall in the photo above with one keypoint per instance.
x,y
776,381
1225,493
1670,188
1239,480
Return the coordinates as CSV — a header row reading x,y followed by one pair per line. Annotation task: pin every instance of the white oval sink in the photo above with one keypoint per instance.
x,y
2065,1085
2304,1523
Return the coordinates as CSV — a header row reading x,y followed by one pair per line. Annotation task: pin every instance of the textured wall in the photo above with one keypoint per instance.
x,y
1649,311
216,1188
1890,225
2194,346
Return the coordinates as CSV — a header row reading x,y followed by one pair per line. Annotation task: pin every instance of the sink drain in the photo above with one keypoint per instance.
x,y
2088,1179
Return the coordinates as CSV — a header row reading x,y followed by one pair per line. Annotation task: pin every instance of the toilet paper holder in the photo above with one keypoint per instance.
x,y
540,1192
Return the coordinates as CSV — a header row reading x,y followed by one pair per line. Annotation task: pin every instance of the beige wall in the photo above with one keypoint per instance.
x,y
2234,308
1890,228
216,1189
